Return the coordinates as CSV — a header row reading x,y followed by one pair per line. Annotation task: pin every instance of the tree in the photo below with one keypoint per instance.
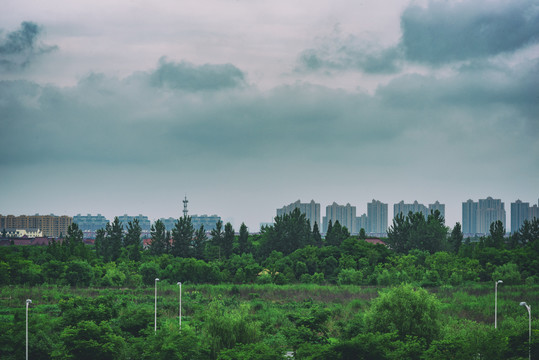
x,y
243,239
112,248
289,233
228,240
217,237
73,244
414,232
456,238
362,235
132,240
182,237
99,243
160,241
405,311
317,238
198,243
336,234
497,233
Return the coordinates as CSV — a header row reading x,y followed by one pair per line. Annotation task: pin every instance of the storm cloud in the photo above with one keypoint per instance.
x,y
444,31
189,77
18,49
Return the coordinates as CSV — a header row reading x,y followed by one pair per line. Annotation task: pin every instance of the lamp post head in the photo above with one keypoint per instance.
x,y
499,281
179,283
156,279
28,301
523,303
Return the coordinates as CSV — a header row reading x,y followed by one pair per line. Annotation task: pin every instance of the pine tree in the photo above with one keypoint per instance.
x,y
159,244
182,237
228,241
243,239
132,240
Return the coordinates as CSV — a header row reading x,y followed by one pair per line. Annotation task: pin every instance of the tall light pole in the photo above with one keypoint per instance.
x,y
496,304
28,302
180,307
529,307
155,313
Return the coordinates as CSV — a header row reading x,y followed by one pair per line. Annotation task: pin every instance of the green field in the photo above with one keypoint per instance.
x,y
255,321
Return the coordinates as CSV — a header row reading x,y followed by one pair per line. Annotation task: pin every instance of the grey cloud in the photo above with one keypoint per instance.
x,y
190,77
338,53
445,31
105,120
19,48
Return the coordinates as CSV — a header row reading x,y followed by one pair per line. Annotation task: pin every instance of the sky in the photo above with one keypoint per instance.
x,y
126,107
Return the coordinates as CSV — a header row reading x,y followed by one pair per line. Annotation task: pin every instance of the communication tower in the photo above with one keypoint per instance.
x,y
185,201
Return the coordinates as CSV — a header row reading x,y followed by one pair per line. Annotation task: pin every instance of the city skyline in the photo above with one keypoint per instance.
x,y
127,107
474,216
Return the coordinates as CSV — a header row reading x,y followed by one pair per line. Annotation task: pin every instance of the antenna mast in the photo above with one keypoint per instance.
x,y
185,201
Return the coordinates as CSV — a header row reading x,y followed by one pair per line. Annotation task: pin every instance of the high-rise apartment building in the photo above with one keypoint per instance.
x,y
50,225
489,210
361,223
311,211
344,214
89,224
519,212
533,213
404,209
437,206
377,218
478,216
469,218
143,221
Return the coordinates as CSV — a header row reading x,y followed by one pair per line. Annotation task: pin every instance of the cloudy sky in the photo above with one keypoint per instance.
x,y
127,106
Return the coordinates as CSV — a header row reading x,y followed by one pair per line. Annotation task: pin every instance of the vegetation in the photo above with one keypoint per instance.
x,y
429,296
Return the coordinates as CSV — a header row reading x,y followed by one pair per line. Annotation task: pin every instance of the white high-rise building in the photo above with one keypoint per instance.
x,y
489,210
404,209
437,206
519,212
377,218
311,211
469,218
344,214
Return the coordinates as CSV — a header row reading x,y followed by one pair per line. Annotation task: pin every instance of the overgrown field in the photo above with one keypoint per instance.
x,y
262,322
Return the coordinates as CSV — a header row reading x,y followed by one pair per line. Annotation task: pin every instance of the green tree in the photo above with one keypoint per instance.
x,y
160,241
182,237
456,238
199,242
112,248
336,234
317,237
89,340
243,239
362,235
407,312
289,233
132,240
497,233
217,237
228,240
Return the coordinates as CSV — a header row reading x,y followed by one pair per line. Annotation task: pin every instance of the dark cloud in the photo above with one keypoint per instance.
x,y
441,33
351,52
19,48
108,121
447,31
190,77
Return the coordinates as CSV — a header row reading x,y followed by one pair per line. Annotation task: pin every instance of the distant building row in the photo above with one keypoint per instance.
x,y
89,224
49,225
476,216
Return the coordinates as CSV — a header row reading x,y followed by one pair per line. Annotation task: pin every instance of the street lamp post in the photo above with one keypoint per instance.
x,y
28,302
180,307
529,307
496,304
155,313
